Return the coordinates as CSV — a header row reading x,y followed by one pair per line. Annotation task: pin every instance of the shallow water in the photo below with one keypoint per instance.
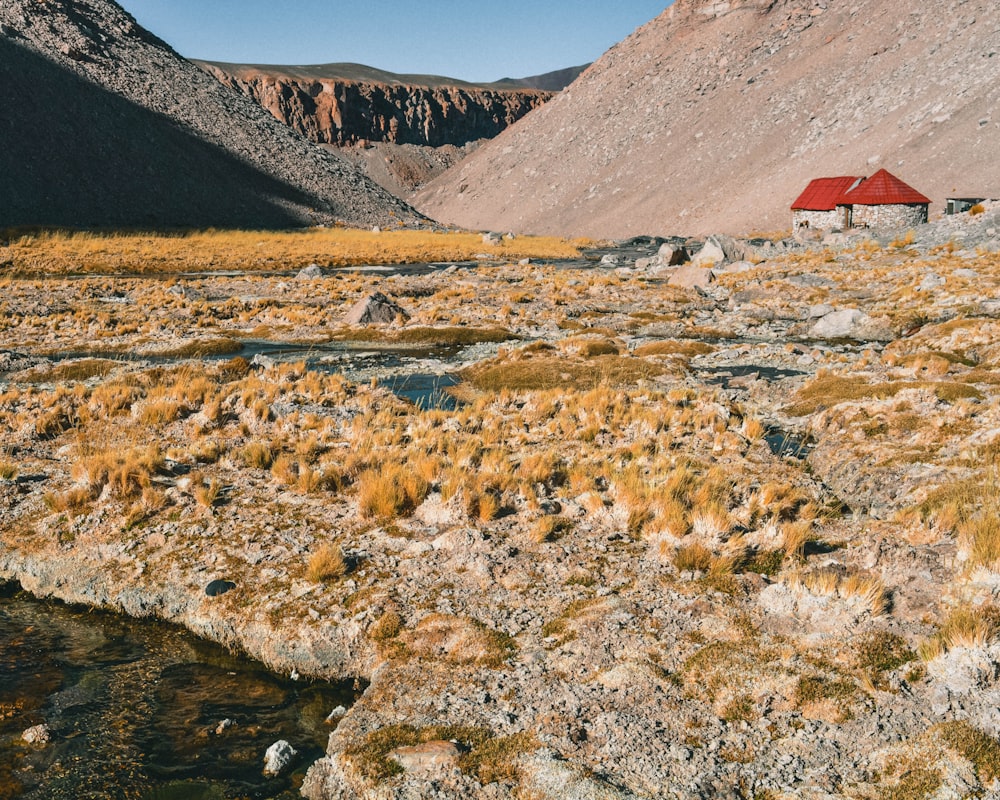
x,y
134,709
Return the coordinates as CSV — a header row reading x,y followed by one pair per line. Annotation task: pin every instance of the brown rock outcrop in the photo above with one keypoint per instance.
x,y
713,117
330,109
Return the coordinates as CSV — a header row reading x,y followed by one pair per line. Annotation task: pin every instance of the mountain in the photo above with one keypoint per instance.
x,y
106,126
715,115
344,104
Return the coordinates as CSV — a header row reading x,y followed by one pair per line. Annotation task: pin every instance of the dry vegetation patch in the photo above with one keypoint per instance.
x,y
59,252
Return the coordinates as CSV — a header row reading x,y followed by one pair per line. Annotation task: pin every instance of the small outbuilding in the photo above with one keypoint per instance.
x,y
882,201
959,205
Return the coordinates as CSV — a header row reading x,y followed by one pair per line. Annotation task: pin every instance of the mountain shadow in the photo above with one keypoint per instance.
x,y
73,154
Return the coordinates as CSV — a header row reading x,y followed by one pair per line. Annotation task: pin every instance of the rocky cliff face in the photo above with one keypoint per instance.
x,y
108,126
716,114
334,110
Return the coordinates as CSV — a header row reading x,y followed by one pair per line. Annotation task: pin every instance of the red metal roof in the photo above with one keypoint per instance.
x,y
881,189
823,194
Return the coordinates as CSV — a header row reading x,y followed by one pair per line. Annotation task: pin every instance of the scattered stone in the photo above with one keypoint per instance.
x,y
610,260
931,281
262,362
964,272
309,273
224,725
336,714
217,587
279,757
374,309
807,280
186,292
428,756
673,255
691,276
492,238
736,266
37,734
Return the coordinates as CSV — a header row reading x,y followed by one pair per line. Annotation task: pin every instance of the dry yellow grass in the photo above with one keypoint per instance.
x,y
326,563
61,252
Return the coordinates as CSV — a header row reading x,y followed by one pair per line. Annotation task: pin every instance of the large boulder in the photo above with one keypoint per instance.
x,y
850,323
691,276
710,255
375,309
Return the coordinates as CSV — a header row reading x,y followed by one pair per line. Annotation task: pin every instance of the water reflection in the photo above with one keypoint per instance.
x,y
144,710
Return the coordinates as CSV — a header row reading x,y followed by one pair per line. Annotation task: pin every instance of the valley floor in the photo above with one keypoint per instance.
x,y
731,541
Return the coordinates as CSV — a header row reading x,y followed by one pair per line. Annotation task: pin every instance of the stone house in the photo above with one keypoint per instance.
x,y
816,207
881,202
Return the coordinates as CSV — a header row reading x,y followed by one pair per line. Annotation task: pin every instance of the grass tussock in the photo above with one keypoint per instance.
x,y
390,492
963,627
673,347
460,640
826,391
79,370
542,373
486,757
327,563
974,745
879,652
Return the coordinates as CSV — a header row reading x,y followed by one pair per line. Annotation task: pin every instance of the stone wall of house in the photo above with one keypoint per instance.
x,y
889,217
817,220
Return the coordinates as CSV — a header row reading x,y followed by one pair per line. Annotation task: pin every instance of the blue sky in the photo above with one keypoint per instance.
x,y
475,40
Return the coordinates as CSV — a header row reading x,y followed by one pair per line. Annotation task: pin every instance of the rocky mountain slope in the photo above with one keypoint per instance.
x,y
347,103
110,127
716,114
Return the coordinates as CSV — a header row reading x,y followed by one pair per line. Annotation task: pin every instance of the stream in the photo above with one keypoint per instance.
x,y
136,710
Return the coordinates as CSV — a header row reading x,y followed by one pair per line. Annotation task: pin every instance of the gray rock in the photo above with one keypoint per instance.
x,y
610,259
374,309
492,238
807,280
309,273
710,255
849,323
37,734
428,756
931,281
673,255
187,292
279,757
965,273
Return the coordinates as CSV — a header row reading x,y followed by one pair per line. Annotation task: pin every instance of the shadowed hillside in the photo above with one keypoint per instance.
x,y
104,125
75,154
